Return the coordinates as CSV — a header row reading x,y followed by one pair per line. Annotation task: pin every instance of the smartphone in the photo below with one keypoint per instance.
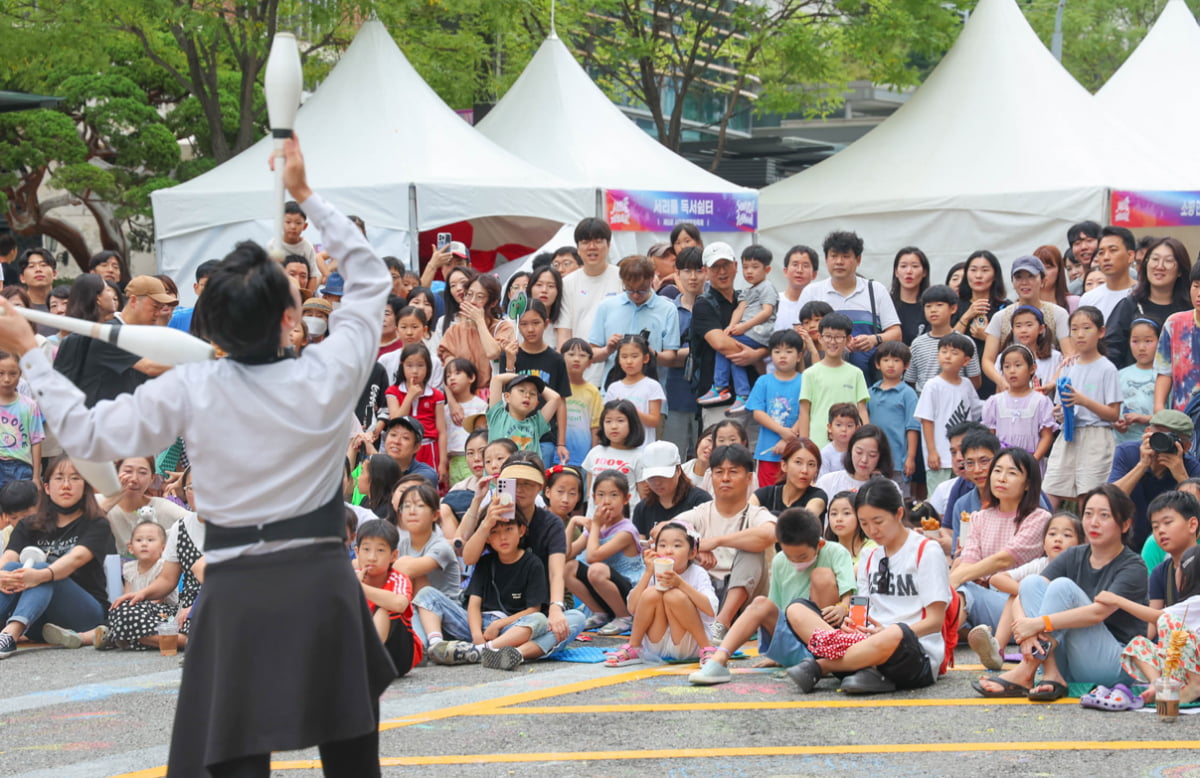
x,y
443,240
506,492
858,611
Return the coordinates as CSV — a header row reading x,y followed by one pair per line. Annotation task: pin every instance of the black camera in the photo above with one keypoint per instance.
x,y
1164,442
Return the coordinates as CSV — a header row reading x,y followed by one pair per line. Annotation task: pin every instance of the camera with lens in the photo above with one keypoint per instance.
x,y
1164,442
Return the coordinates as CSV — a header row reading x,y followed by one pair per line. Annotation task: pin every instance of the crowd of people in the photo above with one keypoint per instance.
x,y
853,473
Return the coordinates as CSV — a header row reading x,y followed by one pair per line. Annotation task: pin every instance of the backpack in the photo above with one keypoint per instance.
x,y
952,622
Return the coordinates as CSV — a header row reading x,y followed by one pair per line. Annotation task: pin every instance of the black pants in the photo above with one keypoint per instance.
x,y
354,758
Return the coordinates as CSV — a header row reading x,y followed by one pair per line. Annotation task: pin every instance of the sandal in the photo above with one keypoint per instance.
x,y
625,655
1117,699
706,654
1057,691
1007,688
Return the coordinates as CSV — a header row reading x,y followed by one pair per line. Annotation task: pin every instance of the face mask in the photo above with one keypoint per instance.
x,y
317,326
802,566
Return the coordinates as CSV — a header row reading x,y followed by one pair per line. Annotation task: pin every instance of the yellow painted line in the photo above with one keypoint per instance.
x,y
153,772
973,702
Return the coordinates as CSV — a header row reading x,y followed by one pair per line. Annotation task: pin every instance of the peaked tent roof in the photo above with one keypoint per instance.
x,y
554,116
1000,136
1160,73
372,129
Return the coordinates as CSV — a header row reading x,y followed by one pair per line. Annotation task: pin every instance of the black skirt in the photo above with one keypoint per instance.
x,y
282,655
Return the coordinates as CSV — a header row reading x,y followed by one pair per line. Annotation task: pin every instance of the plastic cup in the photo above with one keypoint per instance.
x,y
168,638
662,565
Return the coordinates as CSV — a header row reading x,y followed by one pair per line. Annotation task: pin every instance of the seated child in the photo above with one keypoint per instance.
x,y
606,558
388,591
505,598
494,456
423,554
564,491
844,419
907,585
843,527
807,567
673,608
18,499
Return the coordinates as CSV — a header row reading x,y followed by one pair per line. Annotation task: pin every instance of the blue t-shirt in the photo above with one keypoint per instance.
x,y
893,410
778,399
181,319
681,398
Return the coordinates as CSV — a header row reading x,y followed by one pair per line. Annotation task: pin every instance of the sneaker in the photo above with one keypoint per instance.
x,y
982,642
716,632
442,652
867,681
507,658
739,406
595,621
8,646
103,639
463,653
711,673
617,626
61,636
714,396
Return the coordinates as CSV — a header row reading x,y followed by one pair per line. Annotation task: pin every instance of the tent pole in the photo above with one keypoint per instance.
x,y
1056,40
600,214
414,256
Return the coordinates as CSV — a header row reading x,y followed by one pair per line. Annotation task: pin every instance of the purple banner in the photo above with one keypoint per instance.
x,y
1155,209
646,211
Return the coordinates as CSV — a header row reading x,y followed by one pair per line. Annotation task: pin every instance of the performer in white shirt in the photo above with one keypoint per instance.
x,y
283,654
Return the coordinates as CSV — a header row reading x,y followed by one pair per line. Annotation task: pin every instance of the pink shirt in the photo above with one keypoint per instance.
x,y
993,532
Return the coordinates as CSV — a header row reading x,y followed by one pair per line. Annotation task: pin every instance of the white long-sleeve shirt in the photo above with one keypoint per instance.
x,y
253,461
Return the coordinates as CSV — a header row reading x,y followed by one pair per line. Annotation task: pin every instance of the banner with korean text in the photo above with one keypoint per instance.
x,y
1155,209
646,211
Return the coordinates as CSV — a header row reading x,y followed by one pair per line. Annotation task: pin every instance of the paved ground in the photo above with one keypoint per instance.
x,y
88,714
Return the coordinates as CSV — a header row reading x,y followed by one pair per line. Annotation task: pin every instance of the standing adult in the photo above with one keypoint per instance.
x,y
1083,239
910,278
711,315
584,291
255,510
865,302
481,333
1027,276
1054,282
38,269
982,295
637,310
1114,257
799,269
1162,289
683,422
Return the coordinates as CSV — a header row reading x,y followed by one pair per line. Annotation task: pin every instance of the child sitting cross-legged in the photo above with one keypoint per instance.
x,y
607,555
807,568
388,592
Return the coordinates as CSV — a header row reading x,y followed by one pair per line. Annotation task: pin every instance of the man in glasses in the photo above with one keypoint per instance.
x,y
637,310
584,291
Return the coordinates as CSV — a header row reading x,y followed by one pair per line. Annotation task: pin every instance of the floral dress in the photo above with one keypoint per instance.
x,y
1155,654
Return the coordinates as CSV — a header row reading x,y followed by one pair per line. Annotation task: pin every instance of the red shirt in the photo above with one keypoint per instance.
x,y
399,583
424,409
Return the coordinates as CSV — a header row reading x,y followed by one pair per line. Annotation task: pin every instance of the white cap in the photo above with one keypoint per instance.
x,y
659,459
716,251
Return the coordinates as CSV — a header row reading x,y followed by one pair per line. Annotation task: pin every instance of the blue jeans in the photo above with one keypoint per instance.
x,y
15,470
1084,654
723,368
984,605
549,454
62,602
455,625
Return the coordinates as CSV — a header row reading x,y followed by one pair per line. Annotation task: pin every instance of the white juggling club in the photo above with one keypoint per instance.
x,y
161,344
282,83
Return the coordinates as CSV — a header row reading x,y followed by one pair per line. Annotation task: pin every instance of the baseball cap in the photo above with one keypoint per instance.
x,y
460,250
660,459
716,251
1031,265
411,423
149,286
525,378
1175,421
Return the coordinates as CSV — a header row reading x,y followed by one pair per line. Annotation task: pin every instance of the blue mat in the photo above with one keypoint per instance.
x,y
592,655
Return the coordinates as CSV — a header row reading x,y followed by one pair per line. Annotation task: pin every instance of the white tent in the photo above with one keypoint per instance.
x,y
1000,148
379,143
556,118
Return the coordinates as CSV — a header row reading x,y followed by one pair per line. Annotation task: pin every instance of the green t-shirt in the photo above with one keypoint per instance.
x,y
824,386
524,432
1152,553
788,585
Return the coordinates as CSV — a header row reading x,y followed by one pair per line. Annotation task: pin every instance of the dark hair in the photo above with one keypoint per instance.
x,y
1050,255
983,438
1025,353
295,259
914,512
847,495
591,228
692,230
576,343
417,350
556,306
736,455
737,425
504,298
83,302
149,523
615,476
997,295
649,369
691,258
635,269
1119,504
60,293
939,293
243,302
844,411
1186,505
924,260
957,340
790,449
843,242
814,309
957,266
1089,228
538,307
836,321
393,263
798,527
100,257
802,249
1076,524
556,473
451,305
46,518
426,493
429,295
788,338
1180,292
541,260
413,311
1045,340
965,428
378,529
291,206
1123,234
1093,314
8,243
875,433
637,432
507,444
17,496
383,472
881,493
1031,497
571,250
493,308
691,541
757,253
892,348
23,261
463,365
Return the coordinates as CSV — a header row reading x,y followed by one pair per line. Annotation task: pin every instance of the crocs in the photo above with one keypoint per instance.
x,y
1117,699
